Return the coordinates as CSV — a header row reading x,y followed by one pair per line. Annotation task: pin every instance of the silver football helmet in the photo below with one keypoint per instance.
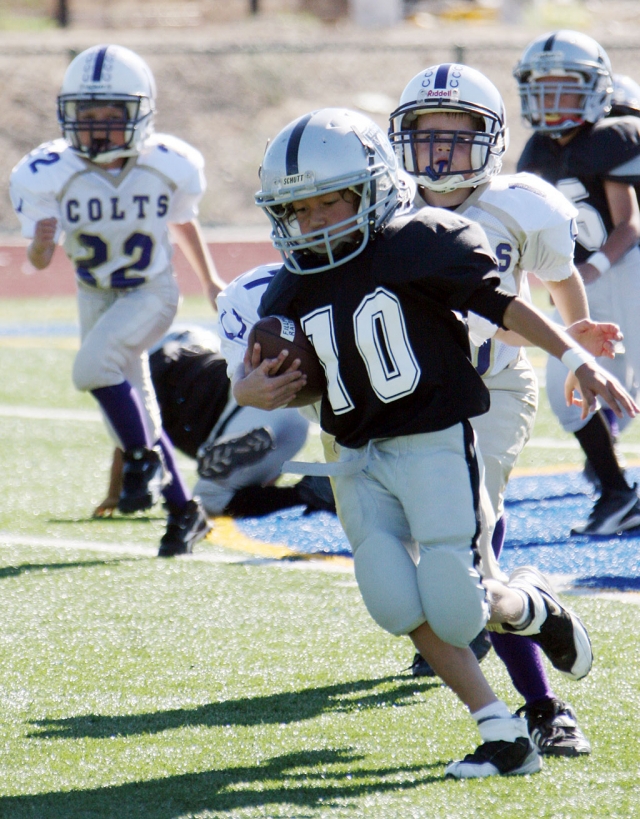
x,y
587,69
107,75
331,149
626,96
450,88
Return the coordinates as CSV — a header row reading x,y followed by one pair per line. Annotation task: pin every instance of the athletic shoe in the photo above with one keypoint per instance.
x,y
316,493
480,645
505,757
143,479
559,633
219,458
614,511
553,727
184,530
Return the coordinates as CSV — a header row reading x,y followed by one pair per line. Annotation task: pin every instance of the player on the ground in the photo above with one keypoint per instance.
x,y
450,134
239,450
566,88
382,300
118,192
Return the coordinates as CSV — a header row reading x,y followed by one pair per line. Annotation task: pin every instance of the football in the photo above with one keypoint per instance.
x,y
277,333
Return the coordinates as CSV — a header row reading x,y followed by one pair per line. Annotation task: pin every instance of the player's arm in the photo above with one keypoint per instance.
x,y
593,381
625,215
597,337
41,247
189,239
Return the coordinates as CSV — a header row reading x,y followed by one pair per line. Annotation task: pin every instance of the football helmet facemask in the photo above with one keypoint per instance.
x,y
114,77
331,149
587,69
450,88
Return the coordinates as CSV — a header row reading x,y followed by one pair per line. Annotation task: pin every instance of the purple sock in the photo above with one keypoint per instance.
x,y
499,534
176,493
612,421
521,656
122,407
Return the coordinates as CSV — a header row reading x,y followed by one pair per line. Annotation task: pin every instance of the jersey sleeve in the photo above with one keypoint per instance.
x,y
238,311
33,191
184,165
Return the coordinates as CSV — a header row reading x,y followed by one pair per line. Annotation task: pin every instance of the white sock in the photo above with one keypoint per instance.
x,y
495,722
495,710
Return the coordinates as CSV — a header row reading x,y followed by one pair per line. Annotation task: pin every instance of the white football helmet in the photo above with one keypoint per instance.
x,y
450,88
587,68
626,97
332,149
107,75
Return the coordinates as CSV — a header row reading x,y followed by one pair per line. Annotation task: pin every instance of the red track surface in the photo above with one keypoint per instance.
x,y
18,279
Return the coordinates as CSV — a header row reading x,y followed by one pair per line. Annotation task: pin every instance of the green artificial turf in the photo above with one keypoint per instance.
x,y
198,687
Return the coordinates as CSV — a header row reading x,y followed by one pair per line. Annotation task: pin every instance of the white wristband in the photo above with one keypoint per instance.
x,y
574,358
599,261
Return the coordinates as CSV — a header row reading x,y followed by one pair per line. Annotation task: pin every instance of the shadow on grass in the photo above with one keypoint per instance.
x,y
26,568
300,781
283,708
116,519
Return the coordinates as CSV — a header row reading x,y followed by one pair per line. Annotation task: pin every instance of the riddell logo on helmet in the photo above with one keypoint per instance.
x,y
442,92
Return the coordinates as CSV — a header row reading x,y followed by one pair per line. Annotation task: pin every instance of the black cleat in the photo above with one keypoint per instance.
x,y
143,478
559,633
504,757
553,727
219,458
480,645
184,530
614,511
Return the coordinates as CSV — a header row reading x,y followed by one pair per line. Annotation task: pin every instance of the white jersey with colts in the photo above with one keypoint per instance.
x,y
114,224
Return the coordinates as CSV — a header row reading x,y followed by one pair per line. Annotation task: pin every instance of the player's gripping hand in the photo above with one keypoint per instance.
x,y
269,384
597,337
592,382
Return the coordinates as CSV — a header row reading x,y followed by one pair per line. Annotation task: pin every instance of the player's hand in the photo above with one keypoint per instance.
x,y
597,337
588,272
592,382
106,508
268,384
45,231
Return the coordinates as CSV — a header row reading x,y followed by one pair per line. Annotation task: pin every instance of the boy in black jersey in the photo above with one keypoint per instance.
x,y
566,91
382,293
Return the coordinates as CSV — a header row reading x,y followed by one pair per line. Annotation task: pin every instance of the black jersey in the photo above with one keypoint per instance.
x,y
609,150
395,353
192,387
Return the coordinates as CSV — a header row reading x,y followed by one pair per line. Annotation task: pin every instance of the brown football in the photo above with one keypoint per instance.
x,y
277,333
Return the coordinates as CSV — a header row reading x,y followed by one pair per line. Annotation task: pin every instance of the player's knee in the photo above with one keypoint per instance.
x,y
92,371
386,577
452,595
